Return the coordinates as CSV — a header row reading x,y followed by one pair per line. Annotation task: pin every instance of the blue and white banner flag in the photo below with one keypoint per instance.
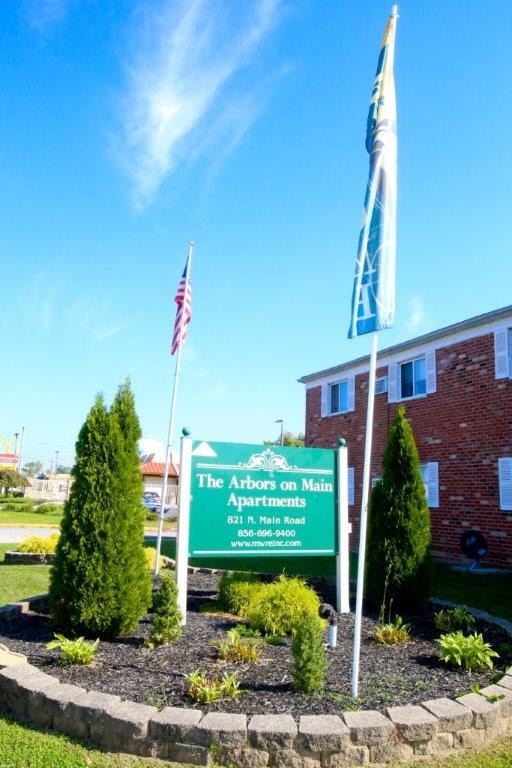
x,y
373,298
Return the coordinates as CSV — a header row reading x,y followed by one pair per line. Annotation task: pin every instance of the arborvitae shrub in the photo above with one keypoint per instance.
x,y
309,656
165,624
99,582
275,609
398,562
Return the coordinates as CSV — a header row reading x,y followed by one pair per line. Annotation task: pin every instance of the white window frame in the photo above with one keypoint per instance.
x,y
411,362
430,474
395,379
326,396
381,385
505,483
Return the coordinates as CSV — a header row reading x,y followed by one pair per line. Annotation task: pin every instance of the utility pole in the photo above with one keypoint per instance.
x,y
281,422
56,461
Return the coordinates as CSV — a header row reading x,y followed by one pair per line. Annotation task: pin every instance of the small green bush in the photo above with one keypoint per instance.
x,y
48,509
276,608
165,624
16,505
208,689
150,554
243,630
309,656
40,544
237,590
393,633
237,650
470,652
455,618
77,651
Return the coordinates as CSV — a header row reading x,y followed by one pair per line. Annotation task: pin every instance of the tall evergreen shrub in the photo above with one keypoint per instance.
x,y
398,562
99,583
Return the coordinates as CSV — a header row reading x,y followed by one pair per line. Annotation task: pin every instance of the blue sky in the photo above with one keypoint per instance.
x,y
129,127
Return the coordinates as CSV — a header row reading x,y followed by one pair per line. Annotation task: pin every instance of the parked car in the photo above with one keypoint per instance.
x,y
151,500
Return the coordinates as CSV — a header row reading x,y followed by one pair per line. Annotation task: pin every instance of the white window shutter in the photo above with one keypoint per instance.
x,y
430,366
351,393
505,479
324,408
393,370
351,485
433,484
501,354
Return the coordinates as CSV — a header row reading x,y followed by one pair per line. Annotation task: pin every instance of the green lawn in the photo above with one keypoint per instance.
x,y
24,747
489,592
29,518
19,581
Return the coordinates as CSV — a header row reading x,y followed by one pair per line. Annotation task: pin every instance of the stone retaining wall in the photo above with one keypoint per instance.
x,y
437,727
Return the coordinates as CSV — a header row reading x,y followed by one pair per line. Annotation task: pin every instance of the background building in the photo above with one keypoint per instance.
x,y
456,386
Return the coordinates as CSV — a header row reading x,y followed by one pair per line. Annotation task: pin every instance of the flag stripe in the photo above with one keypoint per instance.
x,y
373,297
183,299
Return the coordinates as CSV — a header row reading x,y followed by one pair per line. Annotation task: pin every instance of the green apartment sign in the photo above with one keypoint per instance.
x,y
261,500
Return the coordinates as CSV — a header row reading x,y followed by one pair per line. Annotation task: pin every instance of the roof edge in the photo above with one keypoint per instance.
x,y
472,322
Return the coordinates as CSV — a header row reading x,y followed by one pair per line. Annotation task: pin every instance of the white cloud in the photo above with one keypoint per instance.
x,y
416,313
109,331
191,50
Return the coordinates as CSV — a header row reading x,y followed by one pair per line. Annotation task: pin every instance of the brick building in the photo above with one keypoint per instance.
x,y
456,385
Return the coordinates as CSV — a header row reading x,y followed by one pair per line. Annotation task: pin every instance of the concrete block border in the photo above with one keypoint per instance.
x,y
415,732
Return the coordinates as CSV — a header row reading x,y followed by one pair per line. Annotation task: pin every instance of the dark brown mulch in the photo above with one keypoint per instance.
x,y
388,675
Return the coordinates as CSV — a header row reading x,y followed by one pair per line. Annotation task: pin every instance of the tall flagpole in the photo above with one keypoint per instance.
x,y
364,516
168,453
374,285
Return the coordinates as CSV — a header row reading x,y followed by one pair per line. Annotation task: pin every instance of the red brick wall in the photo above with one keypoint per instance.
x,y
466,426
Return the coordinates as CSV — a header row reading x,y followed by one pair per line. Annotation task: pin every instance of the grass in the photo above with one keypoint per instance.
x,y
486,591
29,518
24,747
497,755
19,581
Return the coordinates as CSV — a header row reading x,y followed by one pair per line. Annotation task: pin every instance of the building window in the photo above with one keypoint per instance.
x,y
430,474
413,378
351,489
381,385
339,397
505,482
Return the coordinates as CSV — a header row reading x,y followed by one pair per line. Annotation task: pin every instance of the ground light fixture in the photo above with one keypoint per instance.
x,y
326,611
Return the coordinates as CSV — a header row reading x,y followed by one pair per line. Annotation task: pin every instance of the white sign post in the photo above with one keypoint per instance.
x,y
182,534
342,558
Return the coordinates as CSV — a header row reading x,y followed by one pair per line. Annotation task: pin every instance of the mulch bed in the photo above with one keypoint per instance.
x,y
389,675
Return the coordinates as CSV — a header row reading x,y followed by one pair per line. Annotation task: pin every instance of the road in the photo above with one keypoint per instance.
x,y
12,535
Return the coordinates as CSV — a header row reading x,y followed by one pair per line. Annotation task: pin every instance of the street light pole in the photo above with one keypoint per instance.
x,y
281,422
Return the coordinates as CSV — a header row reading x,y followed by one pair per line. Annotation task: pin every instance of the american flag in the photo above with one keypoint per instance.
x,y
183,299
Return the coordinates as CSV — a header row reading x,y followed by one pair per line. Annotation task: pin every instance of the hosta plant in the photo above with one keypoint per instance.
x,y
236,649
455,618
209,689
78,651
469,652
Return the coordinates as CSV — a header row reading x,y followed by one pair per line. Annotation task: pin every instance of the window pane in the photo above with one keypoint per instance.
x,y
335,398
406,375
343,395
420,377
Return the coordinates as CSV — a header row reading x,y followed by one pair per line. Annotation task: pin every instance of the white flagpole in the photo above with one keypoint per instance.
x,y
364,516
168,453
